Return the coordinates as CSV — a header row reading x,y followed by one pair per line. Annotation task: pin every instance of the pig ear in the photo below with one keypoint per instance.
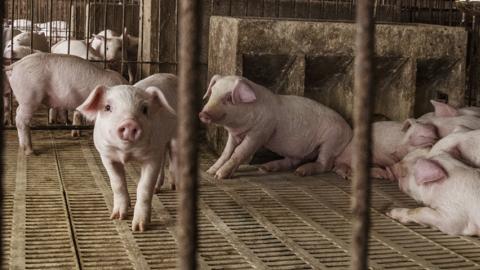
x,y
160,98
407,124
93,103
100,37
427,170
213,80
443,109
423,135
242,92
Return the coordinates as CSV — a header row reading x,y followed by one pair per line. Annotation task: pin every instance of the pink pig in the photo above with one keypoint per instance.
x,y
463,144
300,129
448,188
132,124
58,81
391,142
445,110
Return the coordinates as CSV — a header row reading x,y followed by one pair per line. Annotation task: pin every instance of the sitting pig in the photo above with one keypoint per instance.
x,y
300,129
132,124
391,141
55,80
447,187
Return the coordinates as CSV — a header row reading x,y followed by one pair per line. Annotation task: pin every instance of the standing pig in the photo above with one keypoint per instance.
x,y
391,141
168,84
58,81
131,124
300,129
448,188
78,48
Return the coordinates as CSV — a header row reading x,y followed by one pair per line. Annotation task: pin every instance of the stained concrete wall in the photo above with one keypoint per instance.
x,y
414,63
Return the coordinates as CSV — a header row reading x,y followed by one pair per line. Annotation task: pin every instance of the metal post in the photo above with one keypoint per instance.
x,y
105,13
188,106
362,114
31,27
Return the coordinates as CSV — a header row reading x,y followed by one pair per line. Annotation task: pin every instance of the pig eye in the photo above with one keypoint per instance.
x,y
228,99
108,108
145,109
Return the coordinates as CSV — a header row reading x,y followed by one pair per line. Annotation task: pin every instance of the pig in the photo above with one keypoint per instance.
x,y
297,128
131,124
78,48
55,80
445,110
24,24
8,34
7,92
446,125
463,144
168,82
39,41
18,52
54,24
113,47
391,141
447,187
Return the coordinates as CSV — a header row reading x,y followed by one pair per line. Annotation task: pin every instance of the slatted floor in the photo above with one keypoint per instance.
x,y
57,204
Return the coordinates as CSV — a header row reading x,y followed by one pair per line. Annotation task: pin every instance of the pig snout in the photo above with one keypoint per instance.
x,y
205,117
129,130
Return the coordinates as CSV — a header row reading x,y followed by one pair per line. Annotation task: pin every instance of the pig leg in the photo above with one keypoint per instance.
x,y
145,189
344,170
22,120
52,116
6,110
377,172
77,120
172,164
161,177
279,165
242,152
324,160
226,154
426,216
121,199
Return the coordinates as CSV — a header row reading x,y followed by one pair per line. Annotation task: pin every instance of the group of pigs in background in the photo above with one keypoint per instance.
x,y
433,158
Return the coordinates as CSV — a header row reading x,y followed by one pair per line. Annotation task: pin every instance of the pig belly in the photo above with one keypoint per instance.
x,y
296,148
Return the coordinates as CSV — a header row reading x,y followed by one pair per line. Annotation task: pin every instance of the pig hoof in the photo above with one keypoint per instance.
x,y
212,170
157,190
301,172
117,214
399,214
173,186
139,225
75,133
28,152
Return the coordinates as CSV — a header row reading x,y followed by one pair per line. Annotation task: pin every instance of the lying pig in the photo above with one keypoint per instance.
x,y
131,124
300,129
39,41
391,141
462,144
447,187
55,80
8,34
18,52
446,110
446,125
168,83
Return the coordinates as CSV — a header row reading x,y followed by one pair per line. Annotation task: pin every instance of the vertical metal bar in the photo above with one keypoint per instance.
x,y
124,2
69,30
140,71
362,114
105,8
50,25
471,60
89,11
188,104
10,97
2,141
31,26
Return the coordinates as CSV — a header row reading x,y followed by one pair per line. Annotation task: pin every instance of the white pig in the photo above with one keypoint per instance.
x,y
297,128
78,48
8,34
131,124
391,141
446,125
55,80
169,83
39,41
446,110
463,144
18,52
449,189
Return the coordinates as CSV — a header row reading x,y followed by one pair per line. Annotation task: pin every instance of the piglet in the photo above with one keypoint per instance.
x,y
447,187
391,141
131,124
446,110
297,128
463,144
168,84
55,80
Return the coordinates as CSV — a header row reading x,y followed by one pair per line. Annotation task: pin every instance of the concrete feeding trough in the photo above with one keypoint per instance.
x,y
415,63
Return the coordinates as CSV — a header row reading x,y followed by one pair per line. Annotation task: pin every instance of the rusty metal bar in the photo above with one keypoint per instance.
x,y
105,13
188,104
362,114
122,68
31,27
69,30
88,35
50,25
